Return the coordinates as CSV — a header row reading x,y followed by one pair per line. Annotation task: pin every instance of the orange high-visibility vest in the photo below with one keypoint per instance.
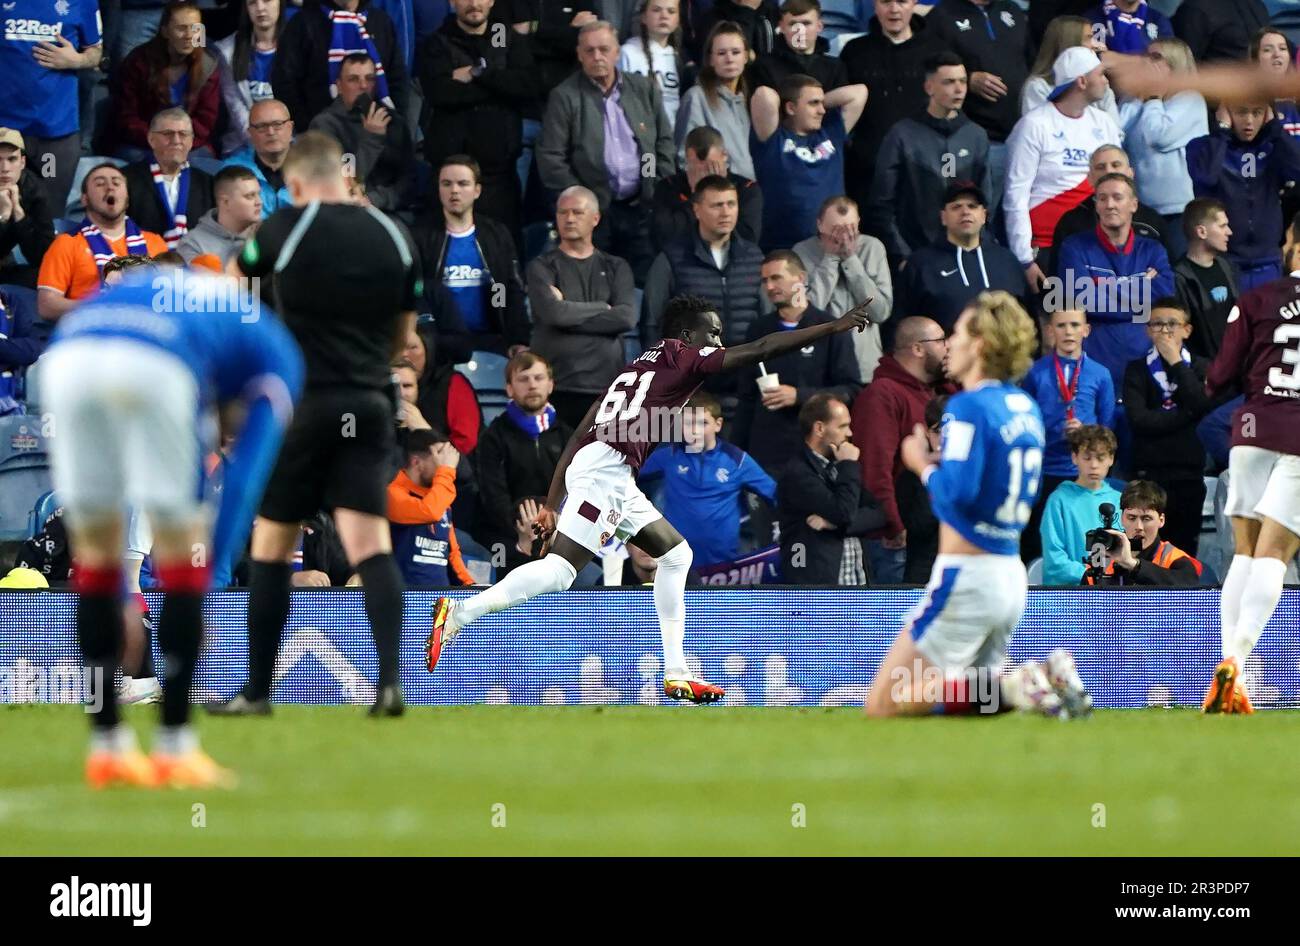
x,y
1166,554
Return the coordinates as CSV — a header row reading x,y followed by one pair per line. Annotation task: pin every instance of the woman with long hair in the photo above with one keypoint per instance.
x,y
656,50
1063,32
1156,133
173,69
721,97
1272,52
246,58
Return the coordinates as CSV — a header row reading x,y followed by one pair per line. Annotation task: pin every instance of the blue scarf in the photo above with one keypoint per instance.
x,y
103,252
531,424
348,35
177,222
1156,365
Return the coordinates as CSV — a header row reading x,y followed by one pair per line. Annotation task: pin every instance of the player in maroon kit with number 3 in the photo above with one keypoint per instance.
x,y
1261,349
641,409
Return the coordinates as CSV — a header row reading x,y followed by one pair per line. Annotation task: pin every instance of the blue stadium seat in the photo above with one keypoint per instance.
x,y
24,473
20,299
75,208
44,508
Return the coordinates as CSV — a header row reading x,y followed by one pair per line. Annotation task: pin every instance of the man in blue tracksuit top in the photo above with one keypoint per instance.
x,y
1114,275
703,479
1130,25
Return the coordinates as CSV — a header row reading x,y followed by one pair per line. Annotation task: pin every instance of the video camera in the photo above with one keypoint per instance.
x,y
1101,543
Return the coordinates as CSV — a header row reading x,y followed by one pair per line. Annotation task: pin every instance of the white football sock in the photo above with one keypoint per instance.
x,y
176,740
670,606
1258,602
1234,583
552,573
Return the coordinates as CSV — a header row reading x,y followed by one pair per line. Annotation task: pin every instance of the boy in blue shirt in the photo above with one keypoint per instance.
x,y
1071,390
703,479
1072,510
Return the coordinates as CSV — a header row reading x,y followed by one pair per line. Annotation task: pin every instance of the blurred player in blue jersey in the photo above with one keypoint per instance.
x,y
130,380
982,486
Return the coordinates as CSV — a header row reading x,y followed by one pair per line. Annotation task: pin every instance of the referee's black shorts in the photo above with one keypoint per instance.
x,y
337,453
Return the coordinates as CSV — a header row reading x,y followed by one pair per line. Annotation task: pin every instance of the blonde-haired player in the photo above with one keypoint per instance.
x,y
982,485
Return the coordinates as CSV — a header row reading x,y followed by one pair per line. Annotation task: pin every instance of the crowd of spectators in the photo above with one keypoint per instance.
x,y
565,169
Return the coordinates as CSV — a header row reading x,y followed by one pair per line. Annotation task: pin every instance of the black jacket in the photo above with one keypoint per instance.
x,y
989,39
34,233
1165,444
940,280
674,218
1180,573
783,61
484,117
1083,219
512,467
1209,317
300,76
509,322
1219,29
145,204
555,43
827,365
894,74
806,487
759,25
686,267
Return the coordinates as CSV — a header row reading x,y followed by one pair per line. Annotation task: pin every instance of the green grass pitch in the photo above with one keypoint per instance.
x,y
667,781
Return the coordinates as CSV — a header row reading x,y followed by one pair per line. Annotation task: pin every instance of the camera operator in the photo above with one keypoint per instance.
x,y
1137,555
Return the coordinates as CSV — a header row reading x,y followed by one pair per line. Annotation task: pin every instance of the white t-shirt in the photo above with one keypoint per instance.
x,y
633,59
1047,171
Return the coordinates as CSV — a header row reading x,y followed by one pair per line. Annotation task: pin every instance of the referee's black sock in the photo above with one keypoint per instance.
x,y
382,583
99,630
180,634
268,609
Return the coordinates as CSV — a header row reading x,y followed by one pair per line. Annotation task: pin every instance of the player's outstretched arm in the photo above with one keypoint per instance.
x,y
544,524
778,343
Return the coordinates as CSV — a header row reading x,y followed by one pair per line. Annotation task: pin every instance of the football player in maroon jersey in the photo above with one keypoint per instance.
x,y
597,473
1261,352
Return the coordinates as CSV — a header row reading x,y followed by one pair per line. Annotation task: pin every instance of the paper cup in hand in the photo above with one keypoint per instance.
x,y
768,382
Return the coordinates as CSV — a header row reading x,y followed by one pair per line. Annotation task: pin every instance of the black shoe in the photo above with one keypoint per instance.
x,y
388,702
239,706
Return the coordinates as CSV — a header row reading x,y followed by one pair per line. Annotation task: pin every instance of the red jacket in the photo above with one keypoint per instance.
x,y
135,103
884,412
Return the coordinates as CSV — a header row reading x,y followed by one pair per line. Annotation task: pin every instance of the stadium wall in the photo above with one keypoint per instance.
x,y
768,647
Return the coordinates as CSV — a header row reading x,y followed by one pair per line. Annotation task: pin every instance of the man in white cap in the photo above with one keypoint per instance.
x,y
1049,149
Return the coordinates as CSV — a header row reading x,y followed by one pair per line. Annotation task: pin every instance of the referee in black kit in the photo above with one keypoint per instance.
x,y
346,282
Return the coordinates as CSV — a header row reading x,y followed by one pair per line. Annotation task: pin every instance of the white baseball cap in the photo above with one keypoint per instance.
x,y
1070,66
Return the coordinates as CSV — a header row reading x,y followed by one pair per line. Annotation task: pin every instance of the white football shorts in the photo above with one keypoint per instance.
x,y
124,417
969,610
603,499
1264,483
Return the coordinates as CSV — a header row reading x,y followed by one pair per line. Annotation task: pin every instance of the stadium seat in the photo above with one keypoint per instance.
x,y
44,508
1208,576
24,473
75,208
1035,571
486,371
207,165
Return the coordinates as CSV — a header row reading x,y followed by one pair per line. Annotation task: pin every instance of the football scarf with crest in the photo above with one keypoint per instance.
x,y
1156,365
